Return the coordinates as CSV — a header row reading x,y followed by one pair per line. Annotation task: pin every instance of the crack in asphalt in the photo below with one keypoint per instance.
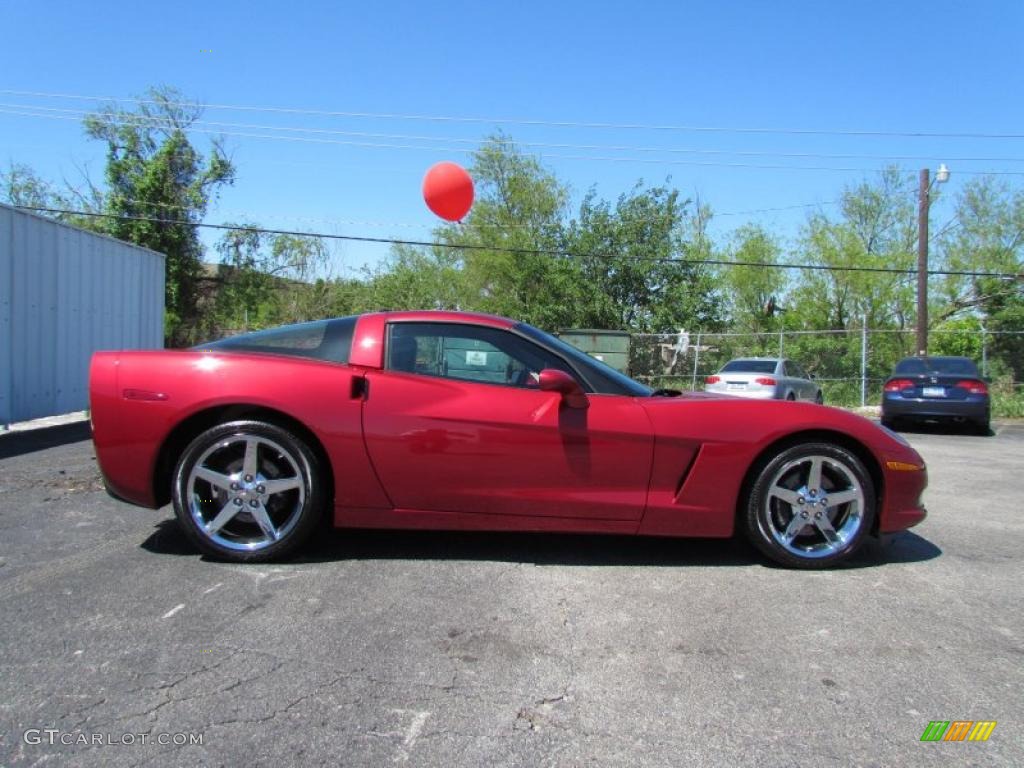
x,y
277,711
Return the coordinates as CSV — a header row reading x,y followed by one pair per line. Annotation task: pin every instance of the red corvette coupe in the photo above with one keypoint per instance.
x,y
455,420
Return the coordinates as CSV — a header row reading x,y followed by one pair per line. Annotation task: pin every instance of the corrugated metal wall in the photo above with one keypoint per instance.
x,y
65,293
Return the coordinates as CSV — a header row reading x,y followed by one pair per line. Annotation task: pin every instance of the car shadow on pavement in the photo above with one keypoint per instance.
x,y
893,549
546,548
32,440
941,428
535,548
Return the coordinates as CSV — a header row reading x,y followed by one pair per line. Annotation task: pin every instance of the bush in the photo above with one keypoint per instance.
x,y
1007,398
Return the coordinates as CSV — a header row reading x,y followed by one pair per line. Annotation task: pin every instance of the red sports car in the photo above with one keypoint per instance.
x,y
459,421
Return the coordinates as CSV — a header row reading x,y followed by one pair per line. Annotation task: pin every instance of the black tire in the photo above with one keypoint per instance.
x,y
290,514
767,518
819,398
790,397
983,428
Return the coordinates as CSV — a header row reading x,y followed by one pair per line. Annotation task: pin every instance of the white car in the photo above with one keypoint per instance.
x,y
767,378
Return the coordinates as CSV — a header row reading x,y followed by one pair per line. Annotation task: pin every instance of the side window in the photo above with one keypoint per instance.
x,y
329,340
467,353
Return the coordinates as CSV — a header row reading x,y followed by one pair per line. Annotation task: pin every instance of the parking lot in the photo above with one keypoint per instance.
x,y
435,649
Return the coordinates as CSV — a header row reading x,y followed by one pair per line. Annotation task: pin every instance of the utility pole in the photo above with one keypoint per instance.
x,y
923,203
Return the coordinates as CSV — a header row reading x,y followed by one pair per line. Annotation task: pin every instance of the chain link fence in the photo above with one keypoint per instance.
x,y
851,365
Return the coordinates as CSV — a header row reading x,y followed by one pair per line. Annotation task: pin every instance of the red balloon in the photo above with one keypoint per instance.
x,y
448,190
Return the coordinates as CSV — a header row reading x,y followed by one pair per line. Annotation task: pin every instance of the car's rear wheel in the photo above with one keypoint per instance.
x,y
810,506
247,491
819,398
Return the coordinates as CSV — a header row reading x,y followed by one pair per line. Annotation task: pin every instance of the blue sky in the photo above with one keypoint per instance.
x,y
891,67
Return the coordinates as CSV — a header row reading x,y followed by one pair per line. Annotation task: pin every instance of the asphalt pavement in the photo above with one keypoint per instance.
x,y
118,642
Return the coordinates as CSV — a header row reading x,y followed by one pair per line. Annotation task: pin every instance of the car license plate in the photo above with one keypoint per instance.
x,y
934,391
735,386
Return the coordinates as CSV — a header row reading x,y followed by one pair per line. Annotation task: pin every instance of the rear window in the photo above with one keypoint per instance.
x,y
329,340
957,366
749,366
911,365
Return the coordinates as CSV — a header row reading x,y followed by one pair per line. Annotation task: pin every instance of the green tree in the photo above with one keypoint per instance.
x,y
266,279
643,259
519,212
987,236
750,289
414,278
20,186
875,228
154,172
637,265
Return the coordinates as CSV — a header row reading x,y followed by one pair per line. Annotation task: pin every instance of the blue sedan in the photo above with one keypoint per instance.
x,y
936,389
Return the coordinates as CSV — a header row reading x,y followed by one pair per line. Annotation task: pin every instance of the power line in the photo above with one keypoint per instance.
x,y
540,155
525,251
525,121
157,121
778,208
424,225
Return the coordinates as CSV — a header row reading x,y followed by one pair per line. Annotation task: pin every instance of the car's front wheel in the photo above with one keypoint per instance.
x,y
247,491
810,506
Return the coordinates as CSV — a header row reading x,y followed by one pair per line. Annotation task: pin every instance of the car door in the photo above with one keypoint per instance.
x,y
807,384
810,384
798,380
455,422
785,379
792,380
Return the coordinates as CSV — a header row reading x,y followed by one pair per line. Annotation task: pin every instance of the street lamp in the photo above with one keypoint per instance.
x,y
923,204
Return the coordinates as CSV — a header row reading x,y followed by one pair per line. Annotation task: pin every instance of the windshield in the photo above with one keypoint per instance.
x,y
602,376
749,366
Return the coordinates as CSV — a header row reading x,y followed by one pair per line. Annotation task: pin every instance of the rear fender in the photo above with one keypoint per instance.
x,y
131,434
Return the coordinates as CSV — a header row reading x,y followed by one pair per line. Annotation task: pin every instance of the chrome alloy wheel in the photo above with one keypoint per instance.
x,y
814,506
246,492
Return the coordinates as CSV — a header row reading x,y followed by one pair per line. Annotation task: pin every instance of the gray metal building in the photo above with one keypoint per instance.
x,y
65,293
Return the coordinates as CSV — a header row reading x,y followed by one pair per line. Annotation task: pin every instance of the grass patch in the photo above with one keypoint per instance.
x,y
1007,399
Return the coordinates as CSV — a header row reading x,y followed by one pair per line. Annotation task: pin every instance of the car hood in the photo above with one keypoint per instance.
x,y
714,417
691,396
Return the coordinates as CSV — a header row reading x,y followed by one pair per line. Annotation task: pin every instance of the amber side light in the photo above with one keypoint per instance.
x,y
903,466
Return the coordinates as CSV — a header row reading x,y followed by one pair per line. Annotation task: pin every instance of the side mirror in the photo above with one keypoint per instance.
x,y
554,380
